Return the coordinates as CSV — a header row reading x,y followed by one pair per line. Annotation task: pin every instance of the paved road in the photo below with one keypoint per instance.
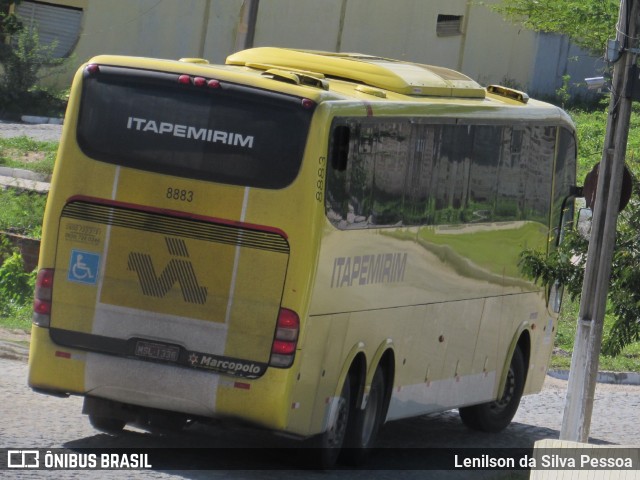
x,y
31,420
45,132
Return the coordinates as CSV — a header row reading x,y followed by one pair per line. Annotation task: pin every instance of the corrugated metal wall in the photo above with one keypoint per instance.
x,y
55,24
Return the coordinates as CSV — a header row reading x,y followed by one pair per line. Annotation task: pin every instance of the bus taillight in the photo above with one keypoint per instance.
x,y
284,345
43,296
92,69
198,81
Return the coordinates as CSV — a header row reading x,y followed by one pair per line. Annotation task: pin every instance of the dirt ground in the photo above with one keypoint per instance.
x,y
14,344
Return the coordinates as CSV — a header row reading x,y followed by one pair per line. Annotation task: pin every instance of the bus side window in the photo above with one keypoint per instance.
x,y
340,148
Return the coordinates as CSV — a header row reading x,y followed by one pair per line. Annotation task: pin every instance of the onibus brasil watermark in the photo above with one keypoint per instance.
x,y
68,460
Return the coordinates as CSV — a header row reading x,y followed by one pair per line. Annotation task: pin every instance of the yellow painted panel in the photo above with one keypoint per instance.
x,y
264,401
77,272
167,274
49,371
255,303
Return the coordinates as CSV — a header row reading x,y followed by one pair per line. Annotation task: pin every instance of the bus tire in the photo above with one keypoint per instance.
x,y
110,425
497,415
366,423
326,447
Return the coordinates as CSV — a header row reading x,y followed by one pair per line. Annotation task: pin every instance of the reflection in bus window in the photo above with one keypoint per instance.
x,y
410,173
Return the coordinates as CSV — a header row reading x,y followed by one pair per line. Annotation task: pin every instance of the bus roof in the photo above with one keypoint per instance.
x,y
327,77
392,75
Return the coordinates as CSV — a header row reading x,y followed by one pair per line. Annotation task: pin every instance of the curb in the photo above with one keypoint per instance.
x,y
24,180
24,174
39,120
616,378
24,184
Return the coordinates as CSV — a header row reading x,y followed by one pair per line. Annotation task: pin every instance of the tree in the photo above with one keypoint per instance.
x,y
588,23
566,265
22,60
9,25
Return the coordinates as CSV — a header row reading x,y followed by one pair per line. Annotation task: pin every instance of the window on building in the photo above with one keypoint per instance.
x,y
56,25
449,25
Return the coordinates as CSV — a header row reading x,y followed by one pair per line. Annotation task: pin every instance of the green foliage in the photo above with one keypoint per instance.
x,y
22,212
23,59
22,67
16,285
563,92
9,23
589,23
622,326
567,265
627,361
624,289
564,265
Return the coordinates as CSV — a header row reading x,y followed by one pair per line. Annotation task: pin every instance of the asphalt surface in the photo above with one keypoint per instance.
x,y
41,132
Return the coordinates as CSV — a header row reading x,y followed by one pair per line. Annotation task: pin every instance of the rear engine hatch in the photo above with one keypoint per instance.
x,y
199,293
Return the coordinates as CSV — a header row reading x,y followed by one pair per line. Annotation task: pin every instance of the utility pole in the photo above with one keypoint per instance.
x,y
584,362
247,25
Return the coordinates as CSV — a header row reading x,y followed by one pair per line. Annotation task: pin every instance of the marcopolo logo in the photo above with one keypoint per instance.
x,y
231,366
179,269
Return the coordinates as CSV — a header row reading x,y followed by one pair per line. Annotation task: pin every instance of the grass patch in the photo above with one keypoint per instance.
x,y
26,153
17,317
591,126
22,212
627,361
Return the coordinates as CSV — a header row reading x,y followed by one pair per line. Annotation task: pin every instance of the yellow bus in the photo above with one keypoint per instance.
x,y
315,243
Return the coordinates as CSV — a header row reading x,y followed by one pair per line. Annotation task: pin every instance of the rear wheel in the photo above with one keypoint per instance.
x,y
326,447
497,415
366,423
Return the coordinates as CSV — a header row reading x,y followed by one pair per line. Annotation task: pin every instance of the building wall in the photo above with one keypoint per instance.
x,y
556,57
488,49
141,28
497,51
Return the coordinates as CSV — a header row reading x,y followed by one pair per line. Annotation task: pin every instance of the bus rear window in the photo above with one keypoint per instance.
x,y
229,134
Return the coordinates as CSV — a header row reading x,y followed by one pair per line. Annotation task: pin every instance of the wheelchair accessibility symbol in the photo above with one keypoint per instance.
x,y
83,267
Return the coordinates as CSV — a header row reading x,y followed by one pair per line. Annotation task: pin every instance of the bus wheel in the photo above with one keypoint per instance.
x,y
366,423
326,447
497,415
109,425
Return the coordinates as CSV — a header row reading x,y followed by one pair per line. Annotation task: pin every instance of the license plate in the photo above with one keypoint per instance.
x,y
157,351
